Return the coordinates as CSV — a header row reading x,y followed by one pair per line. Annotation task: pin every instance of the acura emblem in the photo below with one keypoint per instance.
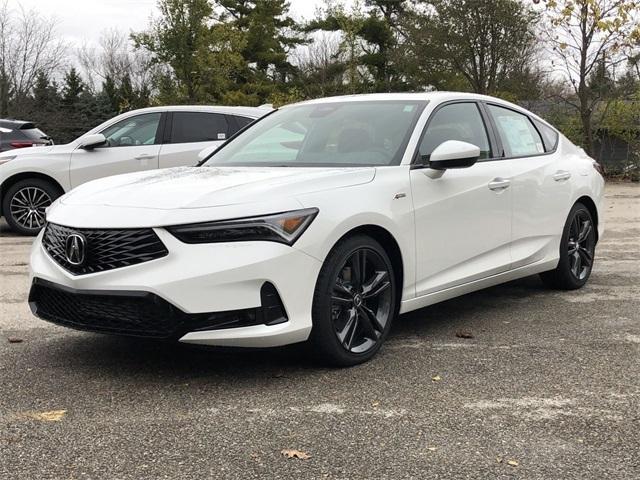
x,y
75,248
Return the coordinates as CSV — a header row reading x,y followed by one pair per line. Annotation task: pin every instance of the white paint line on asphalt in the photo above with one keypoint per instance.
x,y
632,338
320,409
599,293
533,408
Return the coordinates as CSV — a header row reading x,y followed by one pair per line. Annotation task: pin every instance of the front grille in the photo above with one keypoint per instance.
x,y
135,313
105,249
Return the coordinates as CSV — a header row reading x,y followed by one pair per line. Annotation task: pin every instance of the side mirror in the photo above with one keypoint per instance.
x,y
454,154
89,142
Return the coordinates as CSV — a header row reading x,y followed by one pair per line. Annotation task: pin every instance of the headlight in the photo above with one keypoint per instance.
x,y
6,159
283,227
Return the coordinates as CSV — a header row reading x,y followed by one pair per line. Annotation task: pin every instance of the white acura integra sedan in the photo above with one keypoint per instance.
x,y
322,222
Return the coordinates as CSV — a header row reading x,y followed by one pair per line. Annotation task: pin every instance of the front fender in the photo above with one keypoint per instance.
x,y
376,203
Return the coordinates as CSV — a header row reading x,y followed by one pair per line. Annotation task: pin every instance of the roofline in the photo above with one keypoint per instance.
x,y
435,96
203,108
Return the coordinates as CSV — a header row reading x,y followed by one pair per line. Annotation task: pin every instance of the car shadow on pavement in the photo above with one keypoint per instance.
x,y
468,311
123,357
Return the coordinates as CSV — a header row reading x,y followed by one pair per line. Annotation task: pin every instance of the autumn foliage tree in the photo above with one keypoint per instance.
x,y
588,38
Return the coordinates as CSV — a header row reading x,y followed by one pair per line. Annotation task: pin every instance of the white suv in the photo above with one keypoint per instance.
x,y
32,178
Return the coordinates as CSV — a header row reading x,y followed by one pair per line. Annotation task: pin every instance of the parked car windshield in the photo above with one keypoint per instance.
x,y
363,133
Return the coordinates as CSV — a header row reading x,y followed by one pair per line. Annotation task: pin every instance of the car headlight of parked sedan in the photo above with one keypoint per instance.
x,y
283,227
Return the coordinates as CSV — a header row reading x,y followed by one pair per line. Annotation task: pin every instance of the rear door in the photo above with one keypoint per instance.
x,y
463,218
540,184
188,133
133,144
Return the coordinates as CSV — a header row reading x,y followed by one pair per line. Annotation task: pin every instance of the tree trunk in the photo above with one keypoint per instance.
x,y
584,95
587,132
4,95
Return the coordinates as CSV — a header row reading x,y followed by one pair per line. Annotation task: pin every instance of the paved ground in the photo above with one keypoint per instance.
x,y
548,388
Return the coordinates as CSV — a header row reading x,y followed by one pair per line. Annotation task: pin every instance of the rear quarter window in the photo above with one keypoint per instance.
x,y
549,136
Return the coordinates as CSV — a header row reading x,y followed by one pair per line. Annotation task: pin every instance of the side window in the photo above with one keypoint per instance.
x,y
188,127
243,121
549,136
237,123
457,121
519,136
133,131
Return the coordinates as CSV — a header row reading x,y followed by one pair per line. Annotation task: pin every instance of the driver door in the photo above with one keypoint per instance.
x,y
133,144
463,218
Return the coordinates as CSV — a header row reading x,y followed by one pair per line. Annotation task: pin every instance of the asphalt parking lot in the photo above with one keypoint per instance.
x,y
548,388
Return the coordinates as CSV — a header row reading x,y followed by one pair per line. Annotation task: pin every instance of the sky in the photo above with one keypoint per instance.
x,y
81,22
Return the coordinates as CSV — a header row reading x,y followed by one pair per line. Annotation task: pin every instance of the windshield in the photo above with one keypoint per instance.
x,y
361,133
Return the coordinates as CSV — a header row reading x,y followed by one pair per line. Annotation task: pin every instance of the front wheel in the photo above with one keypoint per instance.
x,y
577,251
355,302
24,204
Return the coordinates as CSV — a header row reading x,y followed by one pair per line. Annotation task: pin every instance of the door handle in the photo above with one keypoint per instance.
x,y
561,175
144,156
499,184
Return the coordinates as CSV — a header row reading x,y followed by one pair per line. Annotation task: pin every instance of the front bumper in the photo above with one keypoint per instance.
x,y
208,294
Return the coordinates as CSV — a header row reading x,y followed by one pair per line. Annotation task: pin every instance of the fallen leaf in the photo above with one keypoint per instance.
x,y
15,340
51,416
499,459
513,463
375,404
295,454
464,334
436,378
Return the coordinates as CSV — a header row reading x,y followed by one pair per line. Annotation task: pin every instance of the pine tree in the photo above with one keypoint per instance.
x,y
110,92
72,88
270,35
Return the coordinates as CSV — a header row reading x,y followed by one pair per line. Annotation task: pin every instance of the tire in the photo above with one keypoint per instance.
x,y
576,260
24,203
351,317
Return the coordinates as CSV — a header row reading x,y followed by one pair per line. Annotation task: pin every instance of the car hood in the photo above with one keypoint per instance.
x,y
37,151
200,187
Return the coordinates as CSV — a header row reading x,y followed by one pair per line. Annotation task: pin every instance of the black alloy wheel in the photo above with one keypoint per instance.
x,y
577,251
354,303
361,301
581,245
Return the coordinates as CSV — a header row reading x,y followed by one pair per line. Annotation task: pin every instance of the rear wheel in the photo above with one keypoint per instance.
x,y
577,251
25,202
354,302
